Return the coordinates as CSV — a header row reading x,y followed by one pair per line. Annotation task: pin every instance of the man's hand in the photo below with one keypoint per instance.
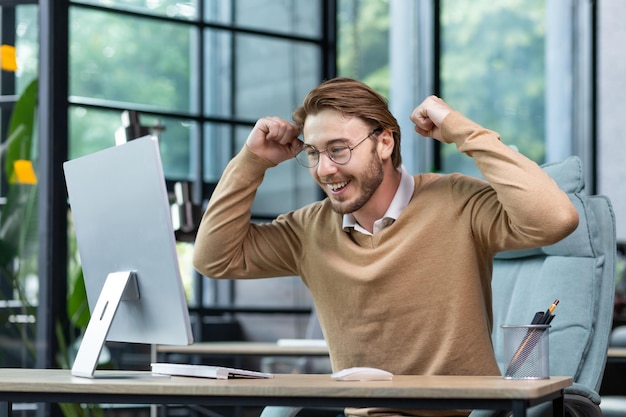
x,y
429,116
274,139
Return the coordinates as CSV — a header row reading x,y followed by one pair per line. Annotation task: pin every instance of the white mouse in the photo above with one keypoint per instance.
x,y
362,373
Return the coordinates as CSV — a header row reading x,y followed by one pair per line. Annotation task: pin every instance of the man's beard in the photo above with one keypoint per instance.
x,y
369,184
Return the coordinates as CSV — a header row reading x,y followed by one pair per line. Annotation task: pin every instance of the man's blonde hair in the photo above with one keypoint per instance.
x,y
354,99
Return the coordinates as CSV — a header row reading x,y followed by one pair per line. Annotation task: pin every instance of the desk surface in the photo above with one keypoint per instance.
x,y
409,392
245,349
282,385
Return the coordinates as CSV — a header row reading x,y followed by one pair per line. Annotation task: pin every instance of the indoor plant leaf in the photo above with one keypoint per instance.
x,y
21,128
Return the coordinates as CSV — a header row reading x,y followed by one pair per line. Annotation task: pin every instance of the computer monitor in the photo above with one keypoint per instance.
x,y
121,215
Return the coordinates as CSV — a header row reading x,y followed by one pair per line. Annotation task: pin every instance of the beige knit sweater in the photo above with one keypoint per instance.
x,y
415,297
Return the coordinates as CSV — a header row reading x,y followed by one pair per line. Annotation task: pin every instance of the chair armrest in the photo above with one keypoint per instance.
x,y
581,406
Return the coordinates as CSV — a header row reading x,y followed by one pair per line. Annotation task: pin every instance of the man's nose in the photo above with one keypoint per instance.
x,y
325,165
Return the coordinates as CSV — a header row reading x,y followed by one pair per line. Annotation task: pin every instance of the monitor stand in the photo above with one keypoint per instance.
x,y
119,286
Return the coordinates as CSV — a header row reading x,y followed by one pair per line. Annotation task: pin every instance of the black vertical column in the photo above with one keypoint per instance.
x,y
329,39
53,151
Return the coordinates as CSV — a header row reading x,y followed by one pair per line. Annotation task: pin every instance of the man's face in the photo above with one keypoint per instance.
x,y
349,186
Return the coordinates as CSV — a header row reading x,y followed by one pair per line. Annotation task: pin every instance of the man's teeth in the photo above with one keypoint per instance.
x,y
337,185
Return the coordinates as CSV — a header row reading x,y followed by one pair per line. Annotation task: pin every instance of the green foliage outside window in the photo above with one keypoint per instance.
x,y
363,42
492,65
493,71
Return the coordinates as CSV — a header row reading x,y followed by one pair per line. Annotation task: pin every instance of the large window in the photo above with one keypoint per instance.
x,y
200,73
197,73
192,78
493,69
522,69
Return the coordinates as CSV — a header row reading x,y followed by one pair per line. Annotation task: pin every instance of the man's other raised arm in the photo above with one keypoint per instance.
x,y
530,208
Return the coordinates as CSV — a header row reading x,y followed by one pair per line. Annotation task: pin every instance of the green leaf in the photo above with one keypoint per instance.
x,y
18,216
77,306
21,127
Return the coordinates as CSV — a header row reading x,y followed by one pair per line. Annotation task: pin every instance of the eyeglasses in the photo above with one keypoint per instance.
x,y
338,151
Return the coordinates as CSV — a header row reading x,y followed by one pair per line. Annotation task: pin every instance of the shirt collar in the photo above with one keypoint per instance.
x,y
400,201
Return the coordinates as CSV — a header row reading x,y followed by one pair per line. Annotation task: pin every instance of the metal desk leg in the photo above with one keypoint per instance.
x,y
519,408
558,405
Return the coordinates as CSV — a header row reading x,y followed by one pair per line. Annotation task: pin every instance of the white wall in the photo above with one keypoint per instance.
x,y
611,95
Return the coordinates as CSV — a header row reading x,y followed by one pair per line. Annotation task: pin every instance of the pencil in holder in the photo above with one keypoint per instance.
x,y
526,351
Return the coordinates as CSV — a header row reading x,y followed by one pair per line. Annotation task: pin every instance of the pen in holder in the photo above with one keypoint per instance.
x,y
526,351
526,348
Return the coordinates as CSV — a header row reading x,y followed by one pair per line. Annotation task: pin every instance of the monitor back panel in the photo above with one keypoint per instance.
x,y
121,216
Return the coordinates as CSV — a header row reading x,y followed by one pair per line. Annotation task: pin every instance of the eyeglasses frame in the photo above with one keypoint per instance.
x,y
350,148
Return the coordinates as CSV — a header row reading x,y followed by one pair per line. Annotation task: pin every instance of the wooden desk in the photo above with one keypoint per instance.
x,y
437,392
244,349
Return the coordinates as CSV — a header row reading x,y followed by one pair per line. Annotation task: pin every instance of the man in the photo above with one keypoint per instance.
x,y
399,266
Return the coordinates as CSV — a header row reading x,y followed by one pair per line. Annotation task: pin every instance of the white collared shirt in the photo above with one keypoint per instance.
x,y
400,201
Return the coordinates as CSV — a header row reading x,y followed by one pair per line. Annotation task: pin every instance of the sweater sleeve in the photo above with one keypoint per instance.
x,y
529,209
227,244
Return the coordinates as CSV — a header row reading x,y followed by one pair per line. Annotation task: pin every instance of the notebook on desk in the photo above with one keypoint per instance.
x,y
205,371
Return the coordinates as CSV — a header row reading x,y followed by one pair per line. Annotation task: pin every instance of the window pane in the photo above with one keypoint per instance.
x,y
218,150
93,130
134,60
176,142
493,71
363,42
218,72
273,75
219,11
280,67
26,45
299,18
169,8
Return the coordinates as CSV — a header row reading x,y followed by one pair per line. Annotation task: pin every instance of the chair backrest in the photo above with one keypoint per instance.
x,y
580,272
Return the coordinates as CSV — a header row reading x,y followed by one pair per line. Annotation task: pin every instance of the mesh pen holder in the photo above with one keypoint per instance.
x,y
526,351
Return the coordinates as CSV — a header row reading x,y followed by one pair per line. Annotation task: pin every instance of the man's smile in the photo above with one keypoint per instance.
x,y
336,186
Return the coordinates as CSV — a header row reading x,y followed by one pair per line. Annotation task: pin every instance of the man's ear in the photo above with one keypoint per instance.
x,y
385,144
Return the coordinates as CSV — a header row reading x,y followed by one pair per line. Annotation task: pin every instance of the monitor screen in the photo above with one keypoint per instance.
x,y
121,215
